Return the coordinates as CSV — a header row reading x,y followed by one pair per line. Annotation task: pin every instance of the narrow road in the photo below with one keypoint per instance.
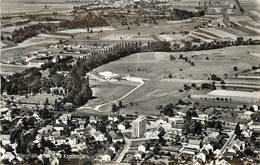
x,y
124,151
128,145
223,150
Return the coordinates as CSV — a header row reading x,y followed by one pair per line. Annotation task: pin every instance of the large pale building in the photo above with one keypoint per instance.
x,y
139,127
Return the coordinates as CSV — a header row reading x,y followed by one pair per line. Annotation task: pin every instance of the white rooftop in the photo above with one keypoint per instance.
x,y
108,74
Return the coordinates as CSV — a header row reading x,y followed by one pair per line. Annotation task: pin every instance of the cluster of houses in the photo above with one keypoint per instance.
x,y
135,137
82,137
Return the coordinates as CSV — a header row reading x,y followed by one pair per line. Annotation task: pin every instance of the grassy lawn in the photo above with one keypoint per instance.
x,y
108,92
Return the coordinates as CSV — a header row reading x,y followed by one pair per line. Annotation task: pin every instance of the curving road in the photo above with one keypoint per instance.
x,y
97,107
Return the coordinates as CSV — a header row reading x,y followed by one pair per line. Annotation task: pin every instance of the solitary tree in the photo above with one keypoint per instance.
x,y
114,108
238,130
46,101
120,104
235,68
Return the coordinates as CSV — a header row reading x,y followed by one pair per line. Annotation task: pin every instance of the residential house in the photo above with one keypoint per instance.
x,y
201,156
178,124
5,139
90,130
60,140
48,128
256,107
68,106
65,117
50,138
115,137
255,127
2,151
188,151
36,116
193,144
247,134
230,153
138,155
209,147
112,148
212,134
9,156
239,145
92,119
161,121
108,156
78,146
99,136
113,119
121,127
58,127
142,147
81,123
56,133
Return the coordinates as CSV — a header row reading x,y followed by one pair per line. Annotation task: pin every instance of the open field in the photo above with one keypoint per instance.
x,y
39,98
94,29
153,29
24,6
106,92
11,68
255,54
219,33
156,66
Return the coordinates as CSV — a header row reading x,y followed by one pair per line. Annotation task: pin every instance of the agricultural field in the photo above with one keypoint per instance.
x,y
218,33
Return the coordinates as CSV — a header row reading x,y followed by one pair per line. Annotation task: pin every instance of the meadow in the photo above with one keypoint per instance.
x,y
156,66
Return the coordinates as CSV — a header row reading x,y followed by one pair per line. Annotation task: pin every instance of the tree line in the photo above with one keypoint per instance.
x,y
89,20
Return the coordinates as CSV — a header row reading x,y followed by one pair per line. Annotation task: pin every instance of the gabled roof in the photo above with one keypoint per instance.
x,y
115,135
195,142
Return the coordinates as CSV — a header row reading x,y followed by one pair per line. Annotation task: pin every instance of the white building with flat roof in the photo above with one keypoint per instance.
x,y
139,127
109,75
